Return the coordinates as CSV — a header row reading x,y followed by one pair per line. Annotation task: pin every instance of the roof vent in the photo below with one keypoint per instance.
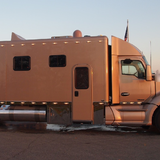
x,y
55,37
77,33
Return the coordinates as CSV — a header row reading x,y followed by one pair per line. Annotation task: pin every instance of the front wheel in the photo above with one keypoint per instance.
x,y
157,119
145,127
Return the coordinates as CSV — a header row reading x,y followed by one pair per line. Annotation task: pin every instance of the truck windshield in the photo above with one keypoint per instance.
x,y
145,60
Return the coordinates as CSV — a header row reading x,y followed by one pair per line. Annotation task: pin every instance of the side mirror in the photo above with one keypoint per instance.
x,y
153,76
148,73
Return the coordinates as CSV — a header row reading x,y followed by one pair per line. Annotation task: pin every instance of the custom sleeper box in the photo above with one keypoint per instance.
x,y
28,74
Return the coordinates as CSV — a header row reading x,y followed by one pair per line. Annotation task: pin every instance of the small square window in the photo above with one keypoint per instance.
x,y
57,61
21,63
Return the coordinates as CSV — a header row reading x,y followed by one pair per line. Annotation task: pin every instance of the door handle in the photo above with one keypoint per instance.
x,y
76,93
125,94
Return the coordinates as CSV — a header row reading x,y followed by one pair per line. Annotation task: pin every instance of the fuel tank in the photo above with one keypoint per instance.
x,y
24,113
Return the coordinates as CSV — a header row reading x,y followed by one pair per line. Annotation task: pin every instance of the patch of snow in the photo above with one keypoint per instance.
x,y
55,127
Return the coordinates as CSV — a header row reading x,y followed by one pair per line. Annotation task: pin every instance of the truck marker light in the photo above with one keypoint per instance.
x,y
22,44
12,102
33,102
124,102
43,102
100,41
118,118
65,42
131,102
22,102
2,45
88,41
66,103
139,102
101,103
12,45
43,43
54,42
77,42
33,44
54,102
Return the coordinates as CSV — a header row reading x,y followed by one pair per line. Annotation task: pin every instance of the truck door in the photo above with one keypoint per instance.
x,y
82,106
133,84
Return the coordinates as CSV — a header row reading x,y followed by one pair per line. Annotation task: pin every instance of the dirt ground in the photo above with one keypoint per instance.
x,y
34,141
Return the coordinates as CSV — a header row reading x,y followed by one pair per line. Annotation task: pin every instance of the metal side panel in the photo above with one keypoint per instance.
x,y
129,114
98,113
59,114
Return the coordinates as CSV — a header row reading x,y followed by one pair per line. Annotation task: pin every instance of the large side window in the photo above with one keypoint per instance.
x,y
57,61
21,63
133,67
81,78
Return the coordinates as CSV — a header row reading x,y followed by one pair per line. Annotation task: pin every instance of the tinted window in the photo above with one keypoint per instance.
x,y
57,61
21,63
81,78
135,68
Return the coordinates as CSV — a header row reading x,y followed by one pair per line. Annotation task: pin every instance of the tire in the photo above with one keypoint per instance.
x,y
146,127
157,119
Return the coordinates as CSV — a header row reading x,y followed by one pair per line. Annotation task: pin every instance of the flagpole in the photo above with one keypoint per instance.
x,y
128,29
126,36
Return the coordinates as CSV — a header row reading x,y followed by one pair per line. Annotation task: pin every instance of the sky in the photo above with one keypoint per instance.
x,y
40,19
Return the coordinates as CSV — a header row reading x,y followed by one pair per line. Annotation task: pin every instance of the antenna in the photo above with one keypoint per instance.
x,y
150,56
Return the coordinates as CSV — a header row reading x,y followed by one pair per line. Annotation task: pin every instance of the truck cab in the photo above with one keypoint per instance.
x,y
133,88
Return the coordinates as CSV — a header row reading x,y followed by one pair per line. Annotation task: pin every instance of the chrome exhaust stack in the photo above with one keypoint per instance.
x,y
24,113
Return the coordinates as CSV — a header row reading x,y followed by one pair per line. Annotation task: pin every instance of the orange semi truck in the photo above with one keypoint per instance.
x,y
77,80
